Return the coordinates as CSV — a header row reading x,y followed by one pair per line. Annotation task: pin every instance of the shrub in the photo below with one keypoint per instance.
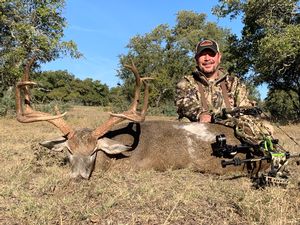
x,y
7,103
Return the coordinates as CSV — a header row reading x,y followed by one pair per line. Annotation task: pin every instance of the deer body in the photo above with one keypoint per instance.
x,y
158,145
162,145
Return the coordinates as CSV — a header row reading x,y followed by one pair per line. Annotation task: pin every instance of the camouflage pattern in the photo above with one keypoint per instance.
x,y
188,98
249,129
189,104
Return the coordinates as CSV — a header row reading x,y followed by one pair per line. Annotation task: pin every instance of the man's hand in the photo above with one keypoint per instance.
x,y
205,118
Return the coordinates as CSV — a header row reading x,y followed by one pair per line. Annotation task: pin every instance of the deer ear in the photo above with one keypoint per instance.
x,y
111,146
56,145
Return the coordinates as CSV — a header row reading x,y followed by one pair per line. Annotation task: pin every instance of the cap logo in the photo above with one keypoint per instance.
x,y
206,43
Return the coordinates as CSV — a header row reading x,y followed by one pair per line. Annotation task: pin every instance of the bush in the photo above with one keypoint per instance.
x,y
8,106
7,103
282,106
50,107
165,110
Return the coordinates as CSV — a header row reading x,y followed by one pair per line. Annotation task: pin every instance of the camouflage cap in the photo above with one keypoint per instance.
x,y
206,44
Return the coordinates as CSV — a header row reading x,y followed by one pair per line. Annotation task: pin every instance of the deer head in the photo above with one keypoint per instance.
x,y
82,145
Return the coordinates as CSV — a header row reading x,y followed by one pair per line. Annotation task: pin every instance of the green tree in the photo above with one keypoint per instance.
x,y
118,99
167,54
269,48
52,85
281,105
31,30
281,72
94,93
62,86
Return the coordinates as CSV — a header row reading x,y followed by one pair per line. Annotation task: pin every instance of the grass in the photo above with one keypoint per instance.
x,y
35,187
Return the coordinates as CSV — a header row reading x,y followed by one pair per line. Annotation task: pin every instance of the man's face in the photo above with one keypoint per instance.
x,y
208,61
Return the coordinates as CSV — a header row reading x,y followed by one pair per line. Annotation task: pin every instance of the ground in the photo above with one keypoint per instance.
x,y
35,187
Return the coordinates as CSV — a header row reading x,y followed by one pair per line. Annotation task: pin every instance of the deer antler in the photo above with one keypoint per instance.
x,y
27,114
131,114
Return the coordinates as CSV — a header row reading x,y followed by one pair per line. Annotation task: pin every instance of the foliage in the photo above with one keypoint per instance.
x,y
51,106
281,105
269,48
167,54
7,102
30,30
253,94
118,99
62,86
166,109
282,72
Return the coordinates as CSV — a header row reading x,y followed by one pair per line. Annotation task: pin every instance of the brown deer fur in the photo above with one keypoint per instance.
x,y
162,145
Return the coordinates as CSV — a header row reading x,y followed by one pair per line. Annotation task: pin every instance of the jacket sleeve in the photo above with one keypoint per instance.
x,y
188,101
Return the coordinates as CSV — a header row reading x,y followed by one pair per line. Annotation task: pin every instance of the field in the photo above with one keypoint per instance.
x,y
35,187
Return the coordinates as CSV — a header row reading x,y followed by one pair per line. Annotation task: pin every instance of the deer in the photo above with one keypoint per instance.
x,y
137,144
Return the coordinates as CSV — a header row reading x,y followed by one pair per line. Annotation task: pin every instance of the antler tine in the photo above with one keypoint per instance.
x,y
146,95
131,114
28,115
137,91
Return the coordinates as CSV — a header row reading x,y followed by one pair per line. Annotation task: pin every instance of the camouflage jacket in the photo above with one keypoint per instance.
x,y
188,97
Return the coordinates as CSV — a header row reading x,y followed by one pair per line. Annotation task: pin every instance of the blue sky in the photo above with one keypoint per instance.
x,y
102,29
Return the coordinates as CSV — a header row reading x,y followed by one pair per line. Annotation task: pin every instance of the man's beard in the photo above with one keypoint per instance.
x,y
208,74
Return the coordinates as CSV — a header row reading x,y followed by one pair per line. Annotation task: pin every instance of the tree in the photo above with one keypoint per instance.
x,y
167,54
94,93
52,85
62,86
269,48
283,71
281,105
31,30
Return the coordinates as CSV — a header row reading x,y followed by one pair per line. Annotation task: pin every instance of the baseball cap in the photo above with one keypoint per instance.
x,y
207,44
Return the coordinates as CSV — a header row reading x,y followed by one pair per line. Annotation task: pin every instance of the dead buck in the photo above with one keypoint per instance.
x,y
155,145
82,145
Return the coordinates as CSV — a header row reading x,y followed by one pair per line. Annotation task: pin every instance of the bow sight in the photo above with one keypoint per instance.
x,y
277,158
223,150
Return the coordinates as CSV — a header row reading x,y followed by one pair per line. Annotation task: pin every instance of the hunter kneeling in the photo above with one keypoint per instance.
x,y
211,95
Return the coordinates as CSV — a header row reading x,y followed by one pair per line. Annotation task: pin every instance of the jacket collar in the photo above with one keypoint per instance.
x,y
199,76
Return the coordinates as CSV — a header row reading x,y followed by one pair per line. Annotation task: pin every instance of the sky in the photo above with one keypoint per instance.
x,y
103,28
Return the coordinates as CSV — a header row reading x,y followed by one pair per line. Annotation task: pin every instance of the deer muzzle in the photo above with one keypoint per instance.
x,y
82,166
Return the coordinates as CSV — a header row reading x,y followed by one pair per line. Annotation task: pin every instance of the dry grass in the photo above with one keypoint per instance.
x,y
35,188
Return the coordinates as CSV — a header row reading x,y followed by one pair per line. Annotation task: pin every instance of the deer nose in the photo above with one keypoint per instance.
x,y
80,175
85,175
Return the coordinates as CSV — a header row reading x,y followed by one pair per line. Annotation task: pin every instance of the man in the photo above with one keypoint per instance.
x,y
203,96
